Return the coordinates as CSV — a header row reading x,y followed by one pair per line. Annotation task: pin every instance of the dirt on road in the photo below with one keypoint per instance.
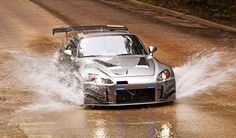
x,y
26,45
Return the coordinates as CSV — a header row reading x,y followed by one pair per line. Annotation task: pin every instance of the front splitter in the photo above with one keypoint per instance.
x,y
129,104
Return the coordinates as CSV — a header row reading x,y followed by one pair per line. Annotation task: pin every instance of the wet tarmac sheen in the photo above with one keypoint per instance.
x,y
39,111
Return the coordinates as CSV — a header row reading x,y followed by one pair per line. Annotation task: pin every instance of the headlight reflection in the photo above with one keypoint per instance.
x,y
165,131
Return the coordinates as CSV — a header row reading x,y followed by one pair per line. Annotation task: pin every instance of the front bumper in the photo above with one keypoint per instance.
x,y
132,94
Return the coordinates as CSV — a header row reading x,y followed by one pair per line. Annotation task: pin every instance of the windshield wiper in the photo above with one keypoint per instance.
x,y
92,56
123,54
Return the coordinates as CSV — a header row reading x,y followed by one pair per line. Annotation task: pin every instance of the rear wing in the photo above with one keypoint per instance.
x,y
92,27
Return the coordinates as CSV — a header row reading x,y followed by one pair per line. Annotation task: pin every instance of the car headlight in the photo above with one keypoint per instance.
x,y
98,79
164,75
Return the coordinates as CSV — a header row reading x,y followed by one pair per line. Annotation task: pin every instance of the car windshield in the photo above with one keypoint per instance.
x,y
111,45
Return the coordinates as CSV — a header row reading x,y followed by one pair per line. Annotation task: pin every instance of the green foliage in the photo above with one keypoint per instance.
x,y
216,10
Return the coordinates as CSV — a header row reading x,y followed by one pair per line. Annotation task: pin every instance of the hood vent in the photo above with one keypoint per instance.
x,y
143,61
122,82
104,63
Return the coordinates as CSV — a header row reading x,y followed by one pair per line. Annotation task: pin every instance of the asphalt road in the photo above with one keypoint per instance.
x,y
26,26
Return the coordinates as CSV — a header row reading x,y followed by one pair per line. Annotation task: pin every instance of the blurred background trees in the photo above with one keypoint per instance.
x,y
223,11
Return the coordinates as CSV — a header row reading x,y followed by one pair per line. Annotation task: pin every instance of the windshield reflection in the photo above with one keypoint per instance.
x,y
111,46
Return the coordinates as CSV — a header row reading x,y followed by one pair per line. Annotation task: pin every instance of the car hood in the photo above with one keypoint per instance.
x,y
129,65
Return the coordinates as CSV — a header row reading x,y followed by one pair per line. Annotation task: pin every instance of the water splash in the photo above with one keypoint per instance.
x,y
52,81
203,71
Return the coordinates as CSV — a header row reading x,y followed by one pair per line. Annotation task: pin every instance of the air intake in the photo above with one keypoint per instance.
x,y
122,82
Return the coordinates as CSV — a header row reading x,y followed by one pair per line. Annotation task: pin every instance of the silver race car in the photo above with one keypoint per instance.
x,y
115,67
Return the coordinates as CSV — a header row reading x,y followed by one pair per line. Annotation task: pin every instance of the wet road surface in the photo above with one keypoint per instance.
x,y
26,26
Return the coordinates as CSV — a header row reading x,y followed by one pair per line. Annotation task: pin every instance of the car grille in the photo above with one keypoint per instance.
x,y
135,95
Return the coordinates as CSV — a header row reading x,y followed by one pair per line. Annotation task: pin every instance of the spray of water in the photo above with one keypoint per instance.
x,y
54,83
43,75
204,71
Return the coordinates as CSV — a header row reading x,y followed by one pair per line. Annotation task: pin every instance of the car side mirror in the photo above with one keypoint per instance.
x,y
151,50
68,52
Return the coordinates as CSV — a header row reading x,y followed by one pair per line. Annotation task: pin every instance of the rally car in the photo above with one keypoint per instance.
x,y
115,66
